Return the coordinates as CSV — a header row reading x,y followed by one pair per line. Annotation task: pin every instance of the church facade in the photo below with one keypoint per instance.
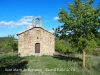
x,y
36,41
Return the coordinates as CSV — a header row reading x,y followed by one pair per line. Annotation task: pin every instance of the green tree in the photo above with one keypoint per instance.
x,y
59,46
9,44
80,25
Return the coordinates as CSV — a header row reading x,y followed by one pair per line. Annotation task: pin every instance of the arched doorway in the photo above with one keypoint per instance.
x,y
37,48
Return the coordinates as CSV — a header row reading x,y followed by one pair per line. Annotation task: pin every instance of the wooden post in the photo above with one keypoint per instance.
x,y
83,59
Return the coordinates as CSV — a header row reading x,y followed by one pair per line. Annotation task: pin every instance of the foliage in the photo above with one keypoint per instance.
x,y
81,25
63,46
8,44
96,53
59,46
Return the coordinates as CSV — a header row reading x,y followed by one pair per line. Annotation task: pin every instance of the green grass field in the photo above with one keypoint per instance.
x,y
11,64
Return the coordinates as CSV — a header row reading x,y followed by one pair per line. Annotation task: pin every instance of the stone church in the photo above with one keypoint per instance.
x,y
36,41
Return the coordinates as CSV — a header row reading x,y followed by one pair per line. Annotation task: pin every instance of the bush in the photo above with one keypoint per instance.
x,y
63,46
96,53
59,46
8,44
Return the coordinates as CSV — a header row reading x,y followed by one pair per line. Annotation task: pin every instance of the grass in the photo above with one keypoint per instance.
x,y
9,62
49,65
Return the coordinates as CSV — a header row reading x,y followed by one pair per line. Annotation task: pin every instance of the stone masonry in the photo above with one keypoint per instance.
x,y
28,39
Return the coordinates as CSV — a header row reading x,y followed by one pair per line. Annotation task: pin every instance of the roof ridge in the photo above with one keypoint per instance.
x,y
32,28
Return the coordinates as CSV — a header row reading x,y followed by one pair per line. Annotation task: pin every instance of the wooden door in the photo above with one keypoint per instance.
x,y
37,48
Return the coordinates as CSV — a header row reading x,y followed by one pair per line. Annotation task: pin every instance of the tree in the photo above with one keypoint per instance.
x,y
81,25
9,44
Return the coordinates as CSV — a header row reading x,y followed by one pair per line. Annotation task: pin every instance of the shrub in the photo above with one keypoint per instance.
x,y
8,44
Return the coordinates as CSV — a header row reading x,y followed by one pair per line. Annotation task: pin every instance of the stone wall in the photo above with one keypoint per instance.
x,y
28,39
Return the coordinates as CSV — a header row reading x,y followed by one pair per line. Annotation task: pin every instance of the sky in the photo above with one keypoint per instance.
x,y
17,15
